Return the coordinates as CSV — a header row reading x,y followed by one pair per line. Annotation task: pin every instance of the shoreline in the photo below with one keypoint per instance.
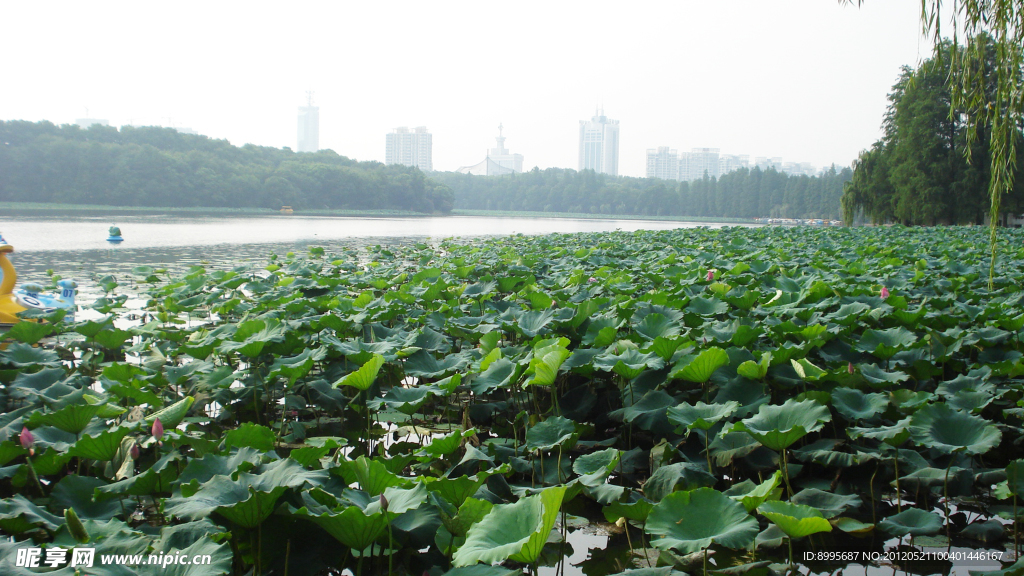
x,y
45,209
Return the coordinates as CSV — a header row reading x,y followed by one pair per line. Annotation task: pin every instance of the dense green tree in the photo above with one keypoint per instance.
x,y
151,166
920,173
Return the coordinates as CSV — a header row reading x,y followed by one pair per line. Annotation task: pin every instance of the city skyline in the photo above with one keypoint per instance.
x,y
413,148
797,80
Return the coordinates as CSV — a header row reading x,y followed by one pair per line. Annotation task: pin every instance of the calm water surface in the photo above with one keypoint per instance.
x,y
77,247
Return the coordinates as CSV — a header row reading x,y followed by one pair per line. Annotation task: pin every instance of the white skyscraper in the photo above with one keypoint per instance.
x,y
693,164
663,163
599,144
309,126
410,148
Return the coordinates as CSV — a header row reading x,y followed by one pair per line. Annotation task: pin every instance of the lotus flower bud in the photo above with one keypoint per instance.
x,y
849,367
592,279
885,292
134,451
75,526
28,441
711,275
158,429
383,503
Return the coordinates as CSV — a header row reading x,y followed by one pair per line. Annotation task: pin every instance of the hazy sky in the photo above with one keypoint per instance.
x,y
805,80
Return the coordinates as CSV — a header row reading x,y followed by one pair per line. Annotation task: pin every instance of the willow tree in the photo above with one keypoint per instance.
x,y
1000,116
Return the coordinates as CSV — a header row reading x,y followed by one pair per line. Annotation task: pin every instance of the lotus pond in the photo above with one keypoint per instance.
x,y
734,401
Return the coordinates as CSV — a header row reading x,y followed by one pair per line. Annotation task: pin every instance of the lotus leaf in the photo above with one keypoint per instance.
x,y
795,520
913,522
779,426
700,368
691,521
943,428
512,531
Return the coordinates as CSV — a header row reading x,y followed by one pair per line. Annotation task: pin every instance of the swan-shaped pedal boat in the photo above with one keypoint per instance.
x,y
114,235
13,301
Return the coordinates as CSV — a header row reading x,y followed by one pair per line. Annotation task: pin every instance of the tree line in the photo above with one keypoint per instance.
x,y
744,193
161,167
929,167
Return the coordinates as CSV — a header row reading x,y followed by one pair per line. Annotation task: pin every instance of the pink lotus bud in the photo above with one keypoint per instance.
x,y
134,451
383,503
28,441
158,429
885,292
592,279
711,275
849,367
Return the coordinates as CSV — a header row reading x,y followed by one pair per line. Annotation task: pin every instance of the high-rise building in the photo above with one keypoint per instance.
x,y
732,162
410,148
599,144
309,126
663,163
694,164
498,161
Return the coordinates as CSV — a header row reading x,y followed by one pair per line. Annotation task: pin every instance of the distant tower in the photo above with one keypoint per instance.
x,y
599,144
309,126
502,161
410,148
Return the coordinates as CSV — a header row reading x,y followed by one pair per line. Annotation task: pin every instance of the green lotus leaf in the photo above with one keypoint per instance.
x,y
295,367
498,374
707,306
649,413
777,427
637,510
678,476
755,370
880,378
913,522
754,496
362,378
701,416
655,325
830,505
593,468
424,364
534,322
113,338
172,415
457,490
856,405
469,513
851,525
885,343
72,418
18,515
795,520
250,435
29,332
943,428
807,371
547,359
552,433
22,355
1015,477
405,400
700,368
78,492
691,521
350,525
447,444
372,476
512,531
246,500
102,446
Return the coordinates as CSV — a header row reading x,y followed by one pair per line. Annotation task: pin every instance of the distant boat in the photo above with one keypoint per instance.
x,y
286,210
114,235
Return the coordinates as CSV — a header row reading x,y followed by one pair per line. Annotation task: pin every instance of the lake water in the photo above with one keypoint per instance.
x,y
76,246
